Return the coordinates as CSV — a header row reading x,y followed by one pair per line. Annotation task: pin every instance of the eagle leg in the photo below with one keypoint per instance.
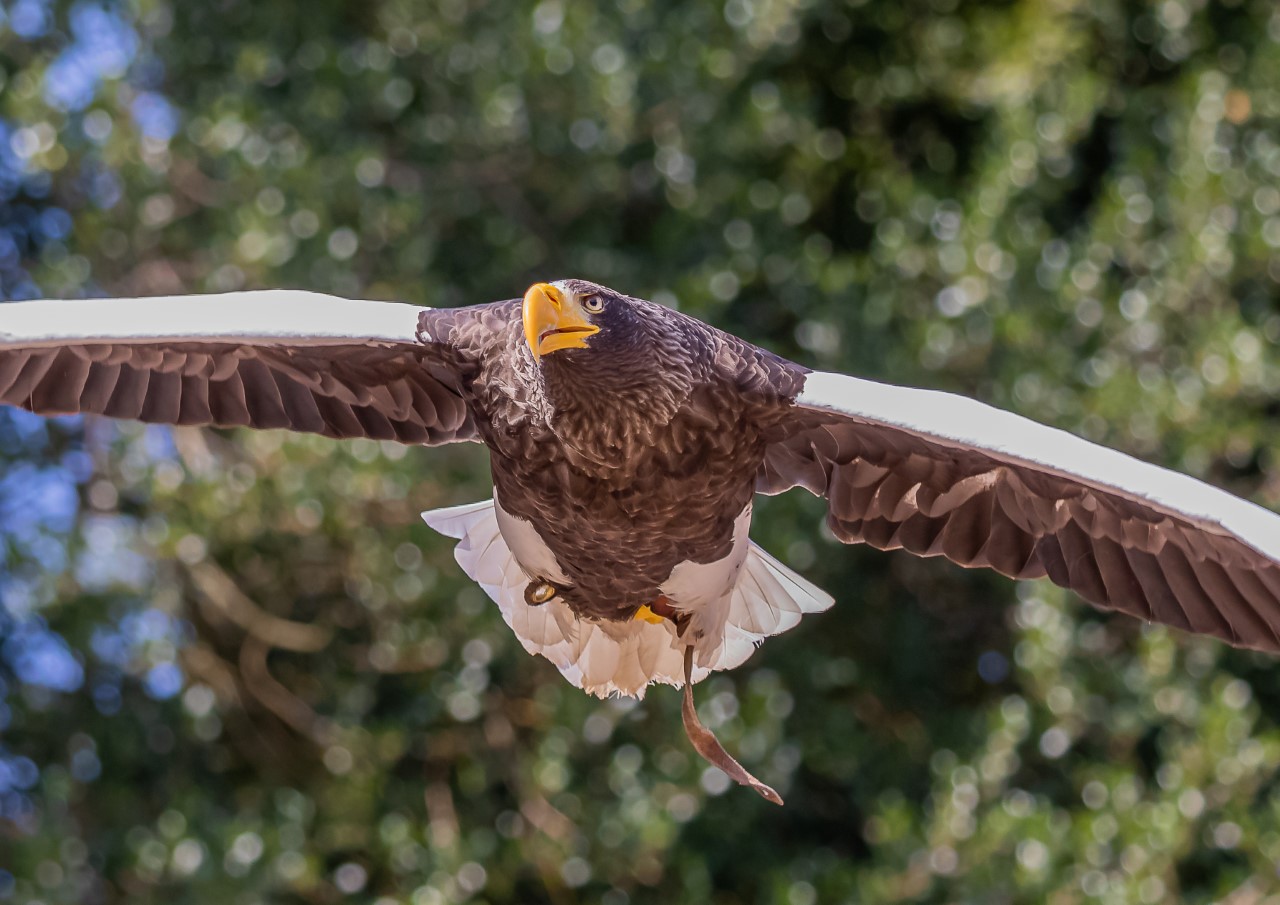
x,y
660,609
706,744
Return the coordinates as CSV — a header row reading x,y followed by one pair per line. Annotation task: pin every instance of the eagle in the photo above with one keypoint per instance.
x,y
627,441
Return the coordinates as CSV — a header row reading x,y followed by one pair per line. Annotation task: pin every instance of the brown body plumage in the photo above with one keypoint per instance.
x,y
630,457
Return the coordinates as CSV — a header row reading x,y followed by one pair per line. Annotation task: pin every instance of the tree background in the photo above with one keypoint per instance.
x,y
237,668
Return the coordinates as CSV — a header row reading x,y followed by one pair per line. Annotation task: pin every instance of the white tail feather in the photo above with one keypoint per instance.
x,y
768,599
605,658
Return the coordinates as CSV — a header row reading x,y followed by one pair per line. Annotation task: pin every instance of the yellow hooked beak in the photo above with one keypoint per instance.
x,y
552,321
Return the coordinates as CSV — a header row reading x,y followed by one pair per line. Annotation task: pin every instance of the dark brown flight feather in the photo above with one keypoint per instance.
x,y
375,390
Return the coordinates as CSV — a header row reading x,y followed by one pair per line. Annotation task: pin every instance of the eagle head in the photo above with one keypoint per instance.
x,y
577,314
613,370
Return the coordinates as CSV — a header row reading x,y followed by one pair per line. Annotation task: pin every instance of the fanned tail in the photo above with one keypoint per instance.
x,y
768,599
606,658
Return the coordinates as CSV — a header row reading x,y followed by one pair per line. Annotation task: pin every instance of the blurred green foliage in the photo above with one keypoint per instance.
x,y
288,692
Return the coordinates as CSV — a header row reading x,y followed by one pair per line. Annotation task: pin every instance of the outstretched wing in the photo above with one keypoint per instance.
x,y
943,475
271,359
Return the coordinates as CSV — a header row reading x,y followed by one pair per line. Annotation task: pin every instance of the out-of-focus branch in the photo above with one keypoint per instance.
x,y
546,817
391,662
187,178
201,663
500,734
192,444
442,816
268,692
158,276
216,588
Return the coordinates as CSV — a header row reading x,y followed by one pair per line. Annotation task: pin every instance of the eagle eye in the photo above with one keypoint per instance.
x,y
593,304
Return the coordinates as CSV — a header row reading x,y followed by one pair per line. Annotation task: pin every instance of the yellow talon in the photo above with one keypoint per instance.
x,y
648,615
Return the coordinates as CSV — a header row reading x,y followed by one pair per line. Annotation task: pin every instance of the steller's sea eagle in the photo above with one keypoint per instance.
x,y
627,442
